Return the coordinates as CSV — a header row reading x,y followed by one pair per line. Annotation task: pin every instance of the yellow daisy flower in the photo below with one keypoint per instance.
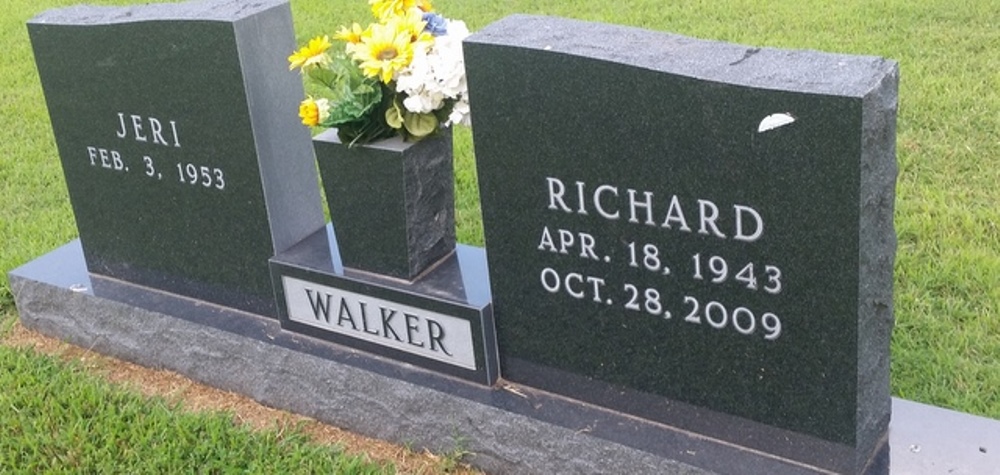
x,y
313,112
384,9
313,54
350,35
413,22
383,53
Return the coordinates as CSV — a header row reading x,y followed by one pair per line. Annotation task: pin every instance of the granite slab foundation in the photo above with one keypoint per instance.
x,y
507,428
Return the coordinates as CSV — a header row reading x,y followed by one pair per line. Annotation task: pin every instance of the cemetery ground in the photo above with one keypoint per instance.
x,y
946,344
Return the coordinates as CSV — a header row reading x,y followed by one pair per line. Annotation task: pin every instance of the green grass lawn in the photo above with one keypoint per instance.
x,y
946,345
57,419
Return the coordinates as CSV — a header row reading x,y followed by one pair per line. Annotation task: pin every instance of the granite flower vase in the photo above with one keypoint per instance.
x,y
392,203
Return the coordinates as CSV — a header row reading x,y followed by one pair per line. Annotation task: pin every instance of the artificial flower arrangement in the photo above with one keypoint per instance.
x,y
404,74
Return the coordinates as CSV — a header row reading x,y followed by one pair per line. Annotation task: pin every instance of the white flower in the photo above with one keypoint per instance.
x,y
459,113
424,103
437,76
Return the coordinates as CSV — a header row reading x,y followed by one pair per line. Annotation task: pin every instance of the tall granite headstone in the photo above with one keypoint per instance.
x,y
186,166
692,232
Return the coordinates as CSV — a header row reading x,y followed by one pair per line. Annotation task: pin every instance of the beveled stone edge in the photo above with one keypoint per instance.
x,y
504,429
210,10
803,71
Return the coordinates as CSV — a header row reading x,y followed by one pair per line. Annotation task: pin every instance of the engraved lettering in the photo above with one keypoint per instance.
x,y
570,278
137,128
556,192
709,213
758,227
579,198
675,214
436,335
156,129
587,246
116,161
319,306
173,128
387,324
122,132
565,240
411,328
364,318
546,243
345,314
647,205
598,284
597,201
572,283
416,331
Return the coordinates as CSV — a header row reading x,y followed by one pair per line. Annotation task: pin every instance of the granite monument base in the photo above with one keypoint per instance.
x,y
506,428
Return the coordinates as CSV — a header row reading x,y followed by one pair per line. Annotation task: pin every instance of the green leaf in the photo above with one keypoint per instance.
x,y
323,76
394,116
353,97
420,125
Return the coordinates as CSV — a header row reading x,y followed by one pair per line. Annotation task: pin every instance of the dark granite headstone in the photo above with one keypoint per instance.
x,y
185,163
692,232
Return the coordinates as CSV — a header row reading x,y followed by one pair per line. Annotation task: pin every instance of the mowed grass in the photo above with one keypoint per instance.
x,y
946,345
57,419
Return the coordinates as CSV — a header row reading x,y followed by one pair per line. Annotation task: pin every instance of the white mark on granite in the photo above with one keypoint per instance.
x,y
774,121
78,288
